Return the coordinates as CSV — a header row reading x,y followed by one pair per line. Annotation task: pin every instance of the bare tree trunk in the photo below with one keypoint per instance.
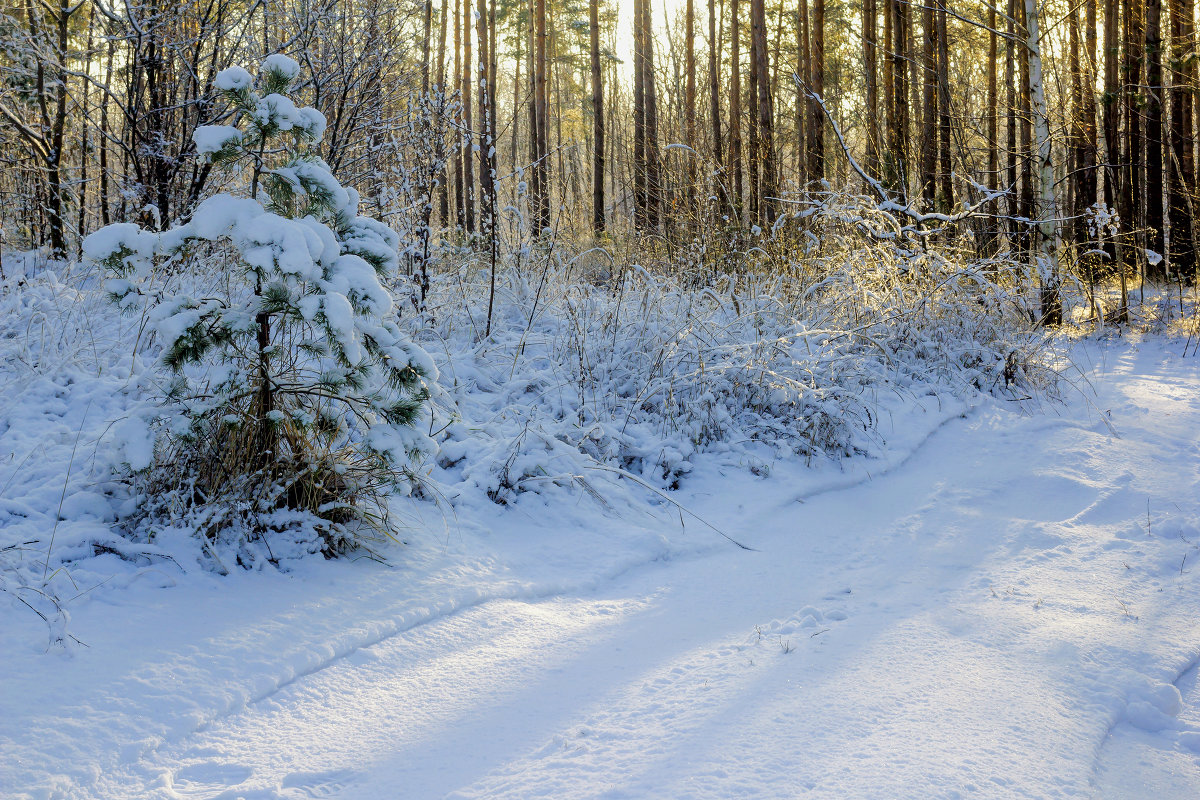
x,y
889,94
689,100
598,121
639,120
945,170
426,41
1112,90
869,20
443,176
1182,169
1154,133
460,209
1047,212
754,171
1028,210
534,184
768,188
105,218
468,153
714,76
1011,147
487,149
993,115
1075,140
816,127
929,142
803,57
1131,158
899,132
654,185
735,108
541,106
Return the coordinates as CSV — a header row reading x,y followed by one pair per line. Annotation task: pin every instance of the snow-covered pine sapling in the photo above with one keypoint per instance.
x,y
295,400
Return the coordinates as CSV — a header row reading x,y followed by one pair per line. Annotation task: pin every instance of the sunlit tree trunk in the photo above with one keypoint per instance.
x,y
929,107
869,22
816,127
714,78
1047,209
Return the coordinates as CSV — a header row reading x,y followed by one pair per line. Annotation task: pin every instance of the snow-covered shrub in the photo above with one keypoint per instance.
x,y
797,341
295,403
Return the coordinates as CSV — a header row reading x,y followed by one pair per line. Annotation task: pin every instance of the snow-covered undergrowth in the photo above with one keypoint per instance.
x,y
638,367
72,378
600,367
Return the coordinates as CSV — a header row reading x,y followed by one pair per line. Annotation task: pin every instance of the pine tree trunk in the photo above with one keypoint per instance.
x,y
945,170
443,177
1028,210
735,109
1076,146
869,19
1130,200
816,126
714,77
457,161
768,187
542,109
1182,170
1112,90
803,101
1154,135
654,185
993,118
426,41
468,152
597,121
639,120
1010,129
888,154
929,87
689,100
755,153
899,132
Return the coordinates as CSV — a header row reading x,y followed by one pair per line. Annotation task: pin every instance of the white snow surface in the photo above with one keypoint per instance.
x,y
1001,605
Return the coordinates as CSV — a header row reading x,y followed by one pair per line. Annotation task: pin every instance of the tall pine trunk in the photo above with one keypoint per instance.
x,y
597,121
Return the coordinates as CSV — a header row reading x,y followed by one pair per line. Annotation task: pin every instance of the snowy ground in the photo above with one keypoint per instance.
x,y
1007,608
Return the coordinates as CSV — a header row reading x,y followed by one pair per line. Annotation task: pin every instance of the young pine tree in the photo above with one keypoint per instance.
x,y
295,403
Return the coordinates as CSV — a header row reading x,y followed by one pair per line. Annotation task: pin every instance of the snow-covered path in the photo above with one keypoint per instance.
x,y
1004,614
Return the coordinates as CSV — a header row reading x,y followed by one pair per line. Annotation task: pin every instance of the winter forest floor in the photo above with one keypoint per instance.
x,y
1002,606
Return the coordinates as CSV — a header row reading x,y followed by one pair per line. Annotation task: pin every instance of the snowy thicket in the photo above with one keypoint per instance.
x,y
295,403
640,367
